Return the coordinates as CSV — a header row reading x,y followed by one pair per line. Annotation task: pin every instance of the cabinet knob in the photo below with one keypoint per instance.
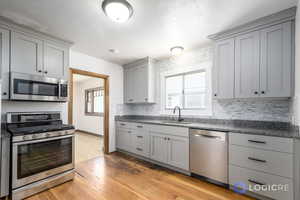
x,y
146,99
215,95
263,92
46,72
4,93
255,92
40,71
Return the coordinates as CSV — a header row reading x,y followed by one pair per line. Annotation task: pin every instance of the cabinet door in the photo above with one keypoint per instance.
x,y
4,62
276,61
124,139
129,84
158,147
247,65
26,54
141,84
224,69
56,60
178,152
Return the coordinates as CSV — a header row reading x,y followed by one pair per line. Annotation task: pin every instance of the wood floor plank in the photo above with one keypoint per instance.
x,y
118,176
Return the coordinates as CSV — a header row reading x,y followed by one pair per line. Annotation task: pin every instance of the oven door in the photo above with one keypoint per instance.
x,y
36,160
33,87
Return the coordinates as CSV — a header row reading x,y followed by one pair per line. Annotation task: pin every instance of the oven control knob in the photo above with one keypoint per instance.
x,y
25,137
47,134
34,136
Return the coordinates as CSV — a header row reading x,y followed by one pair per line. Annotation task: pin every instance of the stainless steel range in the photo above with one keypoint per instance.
x,y
42,152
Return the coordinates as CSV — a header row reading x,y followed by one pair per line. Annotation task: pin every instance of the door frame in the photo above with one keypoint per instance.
x,y
73,71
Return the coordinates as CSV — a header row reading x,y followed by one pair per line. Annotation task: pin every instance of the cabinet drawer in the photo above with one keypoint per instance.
x,y
140,143
248,177
276,163
262,142
170,130
125,124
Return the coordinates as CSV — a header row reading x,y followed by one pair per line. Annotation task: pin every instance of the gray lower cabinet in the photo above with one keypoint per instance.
x,y
124,139
158,147
261,160
169,149
170,146
4,62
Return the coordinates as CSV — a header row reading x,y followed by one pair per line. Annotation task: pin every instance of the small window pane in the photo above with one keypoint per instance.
x,y
195,82
174,91
195,101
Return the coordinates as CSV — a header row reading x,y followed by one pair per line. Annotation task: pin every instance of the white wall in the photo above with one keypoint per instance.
x,y
81,121
115,72
296,100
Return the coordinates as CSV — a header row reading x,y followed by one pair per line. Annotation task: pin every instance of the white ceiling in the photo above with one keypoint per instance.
x,y
156,25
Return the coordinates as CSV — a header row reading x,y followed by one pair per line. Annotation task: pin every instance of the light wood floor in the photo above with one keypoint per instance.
x,y
120,177
87,146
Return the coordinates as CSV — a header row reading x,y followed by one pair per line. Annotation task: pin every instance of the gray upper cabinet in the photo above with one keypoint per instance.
x,y
224,69
4,62
255,60
55,60
276,61
26,54
247,65
139,81
32,55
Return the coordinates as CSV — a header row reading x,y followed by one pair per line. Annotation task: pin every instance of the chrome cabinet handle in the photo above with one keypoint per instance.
x,y
257,141
256,182
139,126
123,124
139,136
256,159
139,149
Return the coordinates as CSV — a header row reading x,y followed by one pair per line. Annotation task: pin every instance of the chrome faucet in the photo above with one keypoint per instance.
x,y
179,113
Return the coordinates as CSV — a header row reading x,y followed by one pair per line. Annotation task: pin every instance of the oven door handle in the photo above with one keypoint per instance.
x,y
43,140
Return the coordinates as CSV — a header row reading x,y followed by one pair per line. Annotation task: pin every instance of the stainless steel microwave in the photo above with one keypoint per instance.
x,y
37,88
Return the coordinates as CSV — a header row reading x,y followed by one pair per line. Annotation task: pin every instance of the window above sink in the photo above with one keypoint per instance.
x,y
189,88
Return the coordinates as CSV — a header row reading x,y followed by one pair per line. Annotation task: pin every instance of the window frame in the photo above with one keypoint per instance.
x,y
86,92
183,87
205,66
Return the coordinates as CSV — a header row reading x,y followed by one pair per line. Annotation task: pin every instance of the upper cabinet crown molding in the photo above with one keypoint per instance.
x,y
276,18
11,25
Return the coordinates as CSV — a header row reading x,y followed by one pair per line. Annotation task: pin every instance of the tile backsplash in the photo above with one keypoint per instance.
x,y
244,109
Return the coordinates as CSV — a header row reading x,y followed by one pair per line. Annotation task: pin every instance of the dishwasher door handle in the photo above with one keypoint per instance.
x,y
208,136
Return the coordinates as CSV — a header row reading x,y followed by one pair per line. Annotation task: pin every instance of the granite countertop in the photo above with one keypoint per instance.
x,y
276,129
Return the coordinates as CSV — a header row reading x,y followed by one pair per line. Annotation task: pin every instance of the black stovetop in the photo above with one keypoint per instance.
x,y
37,127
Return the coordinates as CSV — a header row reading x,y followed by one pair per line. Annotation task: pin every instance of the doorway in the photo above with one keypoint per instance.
x,y
90,92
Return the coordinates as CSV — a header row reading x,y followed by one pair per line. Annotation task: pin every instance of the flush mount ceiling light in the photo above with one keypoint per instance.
x,y
117,10
176,50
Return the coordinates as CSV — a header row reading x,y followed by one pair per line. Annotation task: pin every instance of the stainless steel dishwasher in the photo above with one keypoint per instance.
x,y
209,155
